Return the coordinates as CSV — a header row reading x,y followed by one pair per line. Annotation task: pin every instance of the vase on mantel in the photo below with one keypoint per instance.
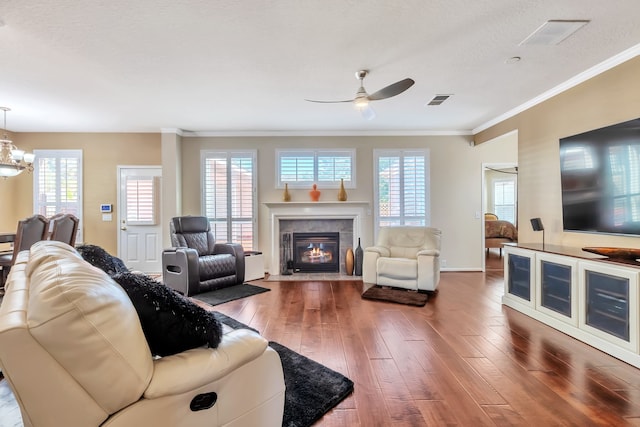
x,y
359,253
286,197
342,193
314,193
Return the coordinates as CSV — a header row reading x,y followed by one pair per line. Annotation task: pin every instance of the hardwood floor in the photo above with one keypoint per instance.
x,y
462,360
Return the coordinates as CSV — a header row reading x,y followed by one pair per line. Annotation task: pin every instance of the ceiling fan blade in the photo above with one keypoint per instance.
x,y
392,90
328,102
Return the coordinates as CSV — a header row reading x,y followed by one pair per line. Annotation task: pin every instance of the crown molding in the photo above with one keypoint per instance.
x,y
325,133
172,131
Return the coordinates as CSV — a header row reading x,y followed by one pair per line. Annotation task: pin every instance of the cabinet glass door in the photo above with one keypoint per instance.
x,y
608,303
520,276
556,287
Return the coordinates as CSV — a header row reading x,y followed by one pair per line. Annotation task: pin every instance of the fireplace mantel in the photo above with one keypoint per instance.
x,y
354,210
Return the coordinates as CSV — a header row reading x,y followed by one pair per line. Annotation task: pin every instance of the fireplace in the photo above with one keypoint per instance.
x,y
317,251
290,217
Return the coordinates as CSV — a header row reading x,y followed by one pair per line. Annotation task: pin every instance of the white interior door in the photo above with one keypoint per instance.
x,y
139,217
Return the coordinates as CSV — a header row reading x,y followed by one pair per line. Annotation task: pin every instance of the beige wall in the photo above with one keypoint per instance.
x,y
609,98
102,153
456,171
456,182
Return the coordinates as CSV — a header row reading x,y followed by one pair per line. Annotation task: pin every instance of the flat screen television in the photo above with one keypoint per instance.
x,y
600,176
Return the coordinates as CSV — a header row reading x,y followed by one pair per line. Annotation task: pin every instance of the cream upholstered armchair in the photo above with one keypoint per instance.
x,y
404,257
74,353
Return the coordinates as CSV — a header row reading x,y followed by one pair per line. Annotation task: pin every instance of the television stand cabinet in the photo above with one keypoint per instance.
x,y
587,296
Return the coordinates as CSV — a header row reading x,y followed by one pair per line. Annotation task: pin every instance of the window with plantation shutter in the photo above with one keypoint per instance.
x,y
57,184
141,193
302,168
229,195
401,187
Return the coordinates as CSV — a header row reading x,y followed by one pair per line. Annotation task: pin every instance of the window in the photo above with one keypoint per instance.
x,y
142,195
401,187
504,199
302,168
57,184
229,196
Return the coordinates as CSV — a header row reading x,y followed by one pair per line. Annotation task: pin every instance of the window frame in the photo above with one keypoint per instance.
x,y
316,154
401,153
58,154
228,155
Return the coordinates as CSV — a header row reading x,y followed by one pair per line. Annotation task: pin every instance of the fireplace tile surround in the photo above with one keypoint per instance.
x,y
286,217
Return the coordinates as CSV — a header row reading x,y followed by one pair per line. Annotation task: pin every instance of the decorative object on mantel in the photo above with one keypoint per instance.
x,y
12,160
348,262
315,193
615,253
286,197
359,258
342,193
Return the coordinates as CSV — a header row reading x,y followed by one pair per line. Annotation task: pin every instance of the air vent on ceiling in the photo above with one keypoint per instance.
x,y
554,31
438,99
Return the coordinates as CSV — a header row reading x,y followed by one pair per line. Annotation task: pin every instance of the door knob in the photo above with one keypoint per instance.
x,y
123,228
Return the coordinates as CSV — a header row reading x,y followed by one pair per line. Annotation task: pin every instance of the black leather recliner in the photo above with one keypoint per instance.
x,y
196,263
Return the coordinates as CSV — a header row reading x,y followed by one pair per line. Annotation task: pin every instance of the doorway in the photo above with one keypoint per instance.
x,y
500,198
139,217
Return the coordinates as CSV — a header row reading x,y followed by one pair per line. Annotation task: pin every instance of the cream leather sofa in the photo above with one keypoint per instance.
x,y
404,257
74,354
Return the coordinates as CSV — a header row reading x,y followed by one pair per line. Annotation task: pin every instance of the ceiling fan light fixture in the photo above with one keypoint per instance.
x,y
361,102
367,112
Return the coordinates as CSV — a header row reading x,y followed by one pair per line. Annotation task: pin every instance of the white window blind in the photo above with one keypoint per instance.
x,y
504,200
302,168
229,196
401,187
57,184
141,193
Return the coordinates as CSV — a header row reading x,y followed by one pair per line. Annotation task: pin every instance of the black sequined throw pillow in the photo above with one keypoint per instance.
x,y
171,323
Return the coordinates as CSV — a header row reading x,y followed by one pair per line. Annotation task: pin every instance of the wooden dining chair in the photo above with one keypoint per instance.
x,y
30,230
63,227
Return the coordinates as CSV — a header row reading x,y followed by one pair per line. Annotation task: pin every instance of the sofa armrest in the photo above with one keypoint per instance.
x,y
180,270
191,369
428,252
237,251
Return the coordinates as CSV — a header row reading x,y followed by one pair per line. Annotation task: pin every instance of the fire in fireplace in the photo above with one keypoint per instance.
x,y
318,251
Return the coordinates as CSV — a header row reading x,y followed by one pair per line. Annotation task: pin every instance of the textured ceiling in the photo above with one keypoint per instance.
x,y
246,66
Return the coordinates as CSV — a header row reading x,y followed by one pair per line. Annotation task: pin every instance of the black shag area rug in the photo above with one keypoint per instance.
x,y
230,293
397,295
312,388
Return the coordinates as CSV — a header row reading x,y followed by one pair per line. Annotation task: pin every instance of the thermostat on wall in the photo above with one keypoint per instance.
x,y
105,208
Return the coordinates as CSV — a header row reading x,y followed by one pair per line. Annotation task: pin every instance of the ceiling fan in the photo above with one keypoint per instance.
x,y
362,99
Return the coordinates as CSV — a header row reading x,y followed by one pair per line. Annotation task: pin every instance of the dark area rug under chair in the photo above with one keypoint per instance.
x,y
396,295
312,388
230,293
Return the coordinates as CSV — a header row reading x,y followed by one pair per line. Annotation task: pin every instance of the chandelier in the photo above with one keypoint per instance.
x,y
12,160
